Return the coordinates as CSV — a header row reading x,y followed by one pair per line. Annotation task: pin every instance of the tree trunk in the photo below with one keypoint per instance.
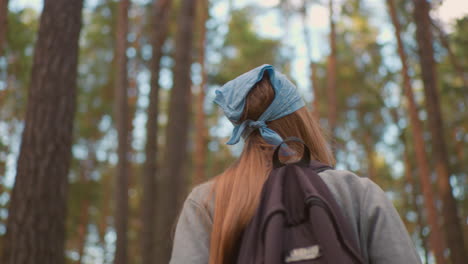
x,y
3,25
200,124
122,125
36,221
452,226
331,74
173,183
453,59
435,238
160,19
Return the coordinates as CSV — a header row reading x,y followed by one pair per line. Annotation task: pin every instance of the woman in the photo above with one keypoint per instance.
x,y
266,108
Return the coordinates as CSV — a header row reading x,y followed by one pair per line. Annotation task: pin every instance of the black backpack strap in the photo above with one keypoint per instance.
x,y
319,167
305,159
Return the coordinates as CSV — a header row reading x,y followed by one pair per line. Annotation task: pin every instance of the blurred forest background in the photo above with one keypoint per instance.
x,y
107,120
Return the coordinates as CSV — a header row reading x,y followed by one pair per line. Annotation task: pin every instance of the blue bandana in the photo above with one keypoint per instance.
x,y
231,98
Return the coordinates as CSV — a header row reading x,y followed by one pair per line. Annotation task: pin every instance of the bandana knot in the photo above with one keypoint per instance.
x,y
257,124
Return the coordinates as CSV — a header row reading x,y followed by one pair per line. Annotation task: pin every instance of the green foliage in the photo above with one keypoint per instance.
x,y
21,37
244,48
460,40
361,78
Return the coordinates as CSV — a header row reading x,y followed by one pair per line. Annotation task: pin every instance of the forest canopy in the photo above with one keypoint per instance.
x,y
107,120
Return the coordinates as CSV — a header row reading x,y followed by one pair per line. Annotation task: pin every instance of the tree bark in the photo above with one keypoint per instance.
x,y
436,237
173,183
36,221
3,25
331,74
122,125
159,24
452,226
200,124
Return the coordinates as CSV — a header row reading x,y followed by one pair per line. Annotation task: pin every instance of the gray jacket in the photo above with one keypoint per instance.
x,y
382,237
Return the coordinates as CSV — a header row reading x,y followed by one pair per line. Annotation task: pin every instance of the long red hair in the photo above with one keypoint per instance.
x,y
237,190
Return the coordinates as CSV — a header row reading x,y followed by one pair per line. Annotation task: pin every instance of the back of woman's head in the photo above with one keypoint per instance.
x,y
237,190
299,124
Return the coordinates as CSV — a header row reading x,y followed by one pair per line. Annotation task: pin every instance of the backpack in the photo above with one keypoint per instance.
x,y
298,220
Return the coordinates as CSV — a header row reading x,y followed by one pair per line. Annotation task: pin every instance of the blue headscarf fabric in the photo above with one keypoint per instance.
x,y
231,97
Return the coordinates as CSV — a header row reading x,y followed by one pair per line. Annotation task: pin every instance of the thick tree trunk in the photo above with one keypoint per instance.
x,y
159,25
200,124
3,24
122,122
436,238
331,75
452,226
173,184
36,220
